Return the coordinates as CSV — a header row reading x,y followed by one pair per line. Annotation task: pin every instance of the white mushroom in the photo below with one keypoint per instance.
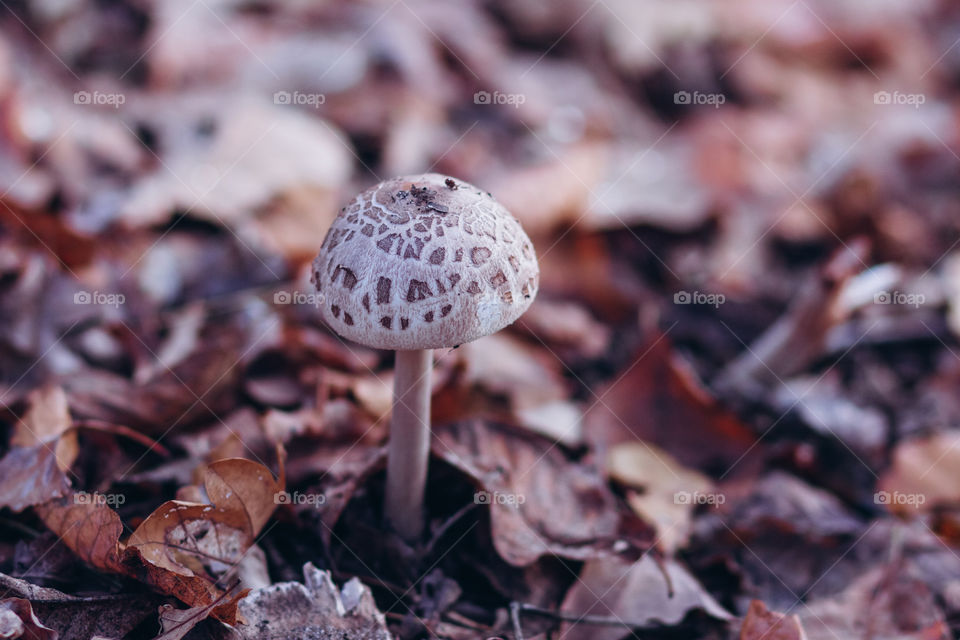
x,y
418,263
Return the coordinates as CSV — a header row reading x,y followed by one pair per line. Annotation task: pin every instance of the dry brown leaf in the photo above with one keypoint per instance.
x,y
90,528
879,604
925,474
176,623
762,624
656,392
47,418
211,176
558,191
635,592
17,620
667,491
43,448
192,539
184,549
31,476
83,618
539,502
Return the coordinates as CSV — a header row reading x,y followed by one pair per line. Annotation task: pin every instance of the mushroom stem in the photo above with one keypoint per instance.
x,y
409,447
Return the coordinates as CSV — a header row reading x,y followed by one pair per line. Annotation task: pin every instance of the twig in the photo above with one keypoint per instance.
x,y
446,527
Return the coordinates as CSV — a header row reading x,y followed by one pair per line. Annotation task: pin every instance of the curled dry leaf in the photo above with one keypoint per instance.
x,y
17,620
185,549
539,502
182,541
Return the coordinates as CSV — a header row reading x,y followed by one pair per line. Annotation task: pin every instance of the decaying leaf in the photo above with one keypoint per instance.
x,y
17,620
43,448
762,624
637,593
925,474
882,604
664,491
655,393
88,526
185,549
538,503
314,609
81,618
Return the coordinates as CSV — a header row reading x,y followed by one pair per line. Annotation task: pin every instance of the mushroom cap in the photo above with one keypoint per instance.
x,y
424,262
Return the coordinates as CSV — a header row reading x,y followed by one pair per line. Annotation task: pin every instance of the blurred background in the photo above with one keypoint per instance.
x,y
746,217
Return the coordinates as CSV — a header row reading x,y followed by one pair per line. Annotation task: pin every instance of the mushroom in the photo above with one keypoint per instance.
x,y
417,263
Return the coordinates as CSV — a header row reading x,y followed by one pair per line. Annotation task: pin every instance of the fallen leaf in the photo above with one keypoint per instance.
x,y
668,492
81,618
43,448
539,503
184,549
315,608
17,620
656,392
208,540
925,474
89,527
762,624
636,592
879,604
284,148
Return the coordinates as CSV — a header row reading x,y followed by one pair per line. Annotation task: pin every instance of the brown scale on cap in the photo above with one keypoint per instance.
x,y
424,262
